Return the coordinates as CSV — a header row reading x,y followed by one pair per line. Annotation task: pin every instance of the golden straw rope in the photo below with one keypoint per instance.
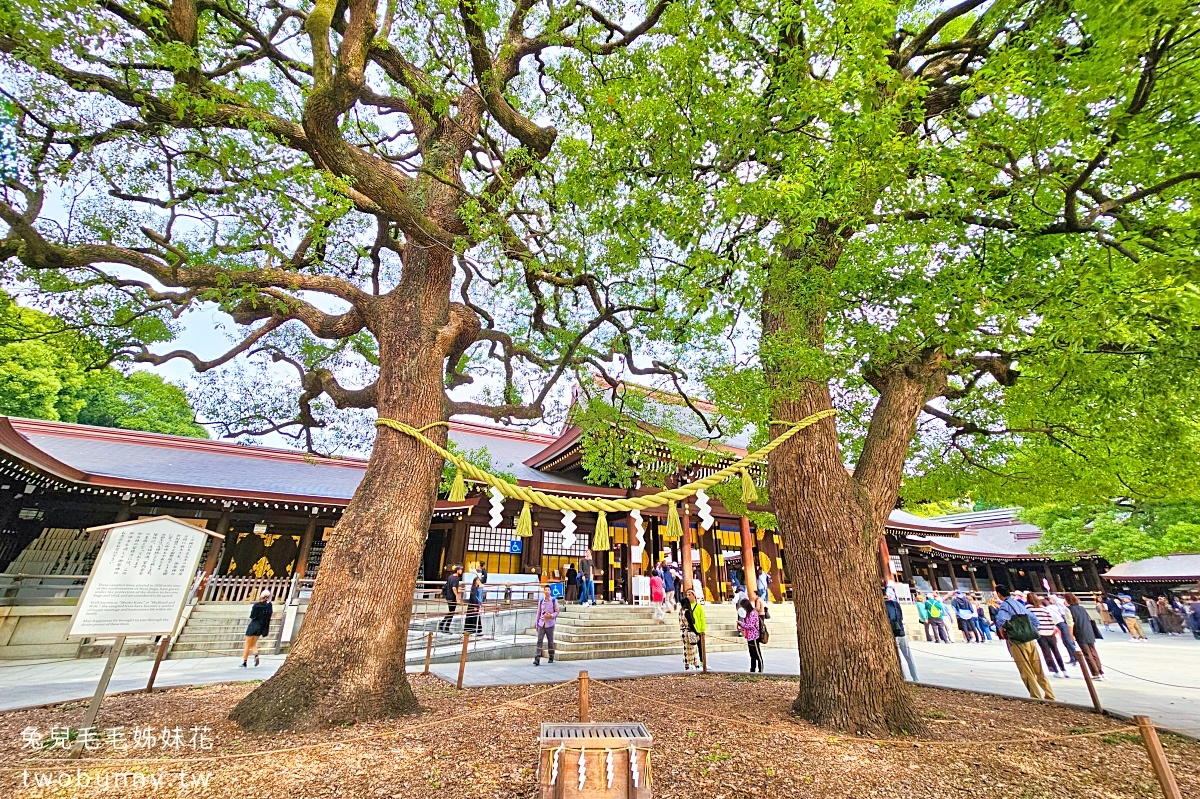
x,y
555,502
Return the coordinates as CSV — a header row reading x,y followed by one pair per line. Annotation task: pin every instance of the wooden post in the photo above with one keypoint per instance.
x,y
1087,677
428,652
163,643
584,702
748,566
306,540
93,710
906,564
885,560
214,547
1158,758
991,575
462,661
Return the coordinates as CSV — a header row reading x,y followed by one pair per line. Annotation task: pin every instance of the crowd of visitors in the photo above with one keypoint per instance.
x,y
1044,633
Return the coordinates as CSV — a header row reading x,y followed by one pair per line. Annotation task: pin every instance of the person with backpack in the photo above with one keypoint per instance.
x,y
751,627
895,615
668,576
452,593
923,616
1017,627
547,613
937,619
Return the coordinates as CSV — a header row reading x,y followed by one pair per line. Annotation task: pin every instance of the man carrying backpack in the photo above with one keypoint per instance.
x,y
895,616
1016,625
937,619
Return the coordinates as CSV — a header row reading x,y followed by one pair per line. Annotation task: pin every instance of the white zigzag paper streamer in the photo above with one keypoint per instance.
x,y
633,766
582,767
568,533
497,512
705,510
554,765
608,759
639,536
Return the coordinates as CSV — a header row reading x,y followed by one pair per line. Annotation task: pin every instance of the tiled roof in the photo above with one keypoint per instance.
x,y
996,534
1166,569
138,461
905,522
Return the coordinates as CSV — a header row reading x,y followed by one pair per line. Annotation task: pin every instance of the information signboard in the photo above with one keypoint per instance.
x,y
141,578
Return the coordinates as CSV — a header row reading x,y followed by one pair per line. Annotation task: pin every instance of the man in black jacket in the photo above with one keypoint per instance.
x,y
895,616
452,593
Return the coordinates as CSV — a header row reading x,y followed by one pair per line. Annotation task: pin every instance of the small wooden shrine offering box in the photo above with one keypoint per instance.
x,y
595,761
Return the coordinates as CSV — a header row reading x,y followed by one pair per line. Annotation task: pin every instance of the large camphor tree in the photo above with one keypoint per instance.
x,y
916,210
364,188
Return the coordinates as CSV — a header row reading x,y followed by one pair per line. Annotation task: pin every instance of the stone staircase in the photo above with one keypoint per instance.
x,y
616,631
218,629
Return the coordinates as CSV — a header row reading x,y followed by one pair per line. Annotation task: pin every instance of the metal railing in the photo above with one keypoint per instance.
x,y
494,627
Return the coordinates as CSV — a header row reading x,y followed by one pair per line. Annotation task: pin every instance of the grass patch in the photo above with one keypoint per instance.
x,y
1121,738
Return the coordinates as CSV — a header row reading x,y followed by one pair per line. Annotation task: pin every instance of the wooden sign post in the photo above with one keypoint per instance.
x,y
140,582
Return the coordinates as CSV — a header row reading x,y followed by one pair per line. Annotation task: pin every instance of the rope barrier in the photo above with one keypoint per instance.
x,y
1107,668
408,728
1156,682
598,505
855,739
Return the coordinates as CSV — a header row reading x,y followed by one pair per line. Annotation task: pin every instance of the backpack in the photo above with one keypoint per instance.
x,y
935,610
763,635
1020,629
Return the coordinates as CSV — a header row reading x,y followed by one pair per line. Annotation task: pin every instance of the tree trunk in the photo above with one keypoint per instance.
x,y
850,675
348,663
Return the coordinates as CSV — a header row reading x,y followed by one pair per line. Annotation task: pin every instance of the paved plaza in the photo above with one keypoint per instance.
x,y
1158,678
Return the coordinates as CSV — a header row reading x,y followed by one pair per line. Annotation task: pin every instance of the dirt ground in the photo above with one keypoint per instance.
x,y
716,737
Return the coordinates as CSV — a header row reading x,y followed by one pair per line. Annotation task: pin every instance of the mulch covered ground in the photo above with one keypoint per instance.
x,y
470,745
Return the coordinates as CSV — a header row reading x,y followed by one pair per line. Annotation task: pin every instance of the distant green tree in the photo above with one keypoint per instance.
x,y
1118,532
139,401
49,371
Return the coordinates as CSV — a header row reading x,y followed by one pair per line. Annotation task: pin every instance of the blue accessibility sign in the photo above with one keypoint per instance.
x,y
514,547
556,590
